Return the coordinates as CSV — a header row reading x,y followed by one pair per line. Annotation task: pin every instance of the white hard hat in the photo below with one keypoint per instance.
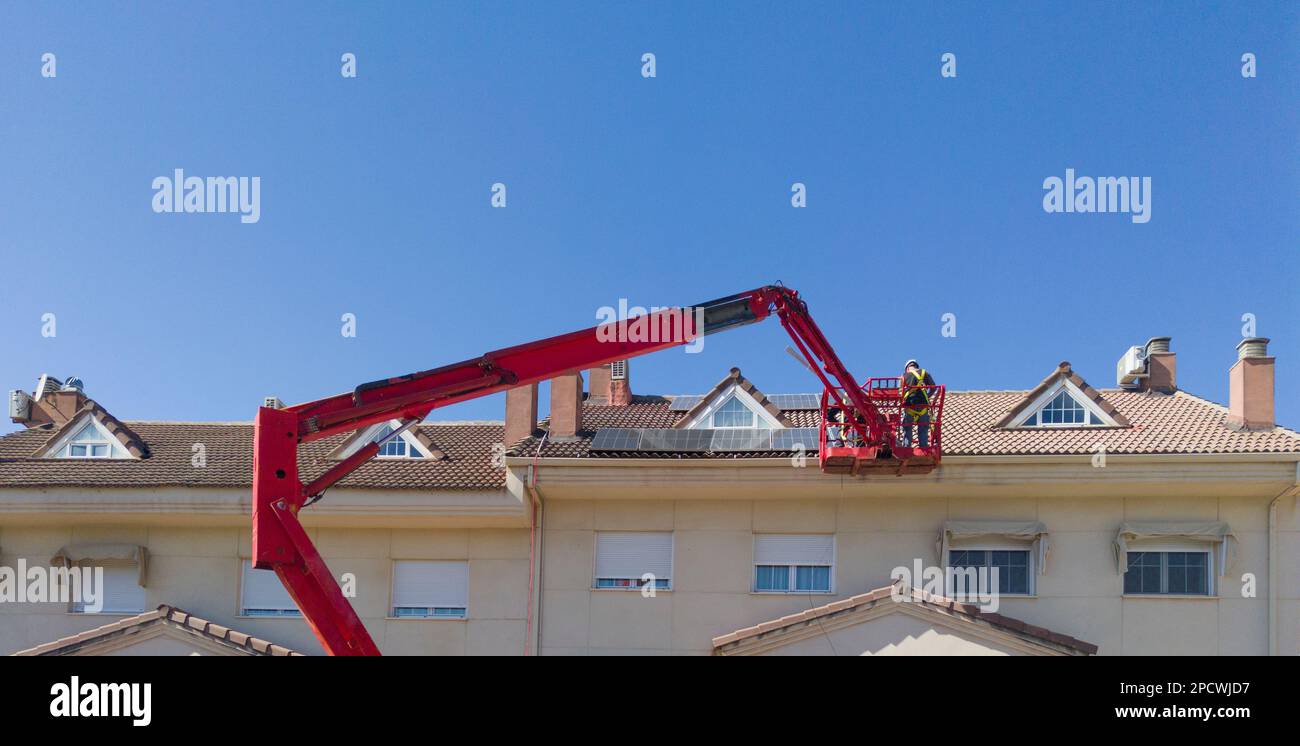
x,y
910,363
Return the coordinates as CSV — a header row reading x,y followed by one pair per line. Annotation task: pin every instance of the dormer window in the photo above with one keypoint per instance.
x,y
90,440
405,445
733,413
397,447
1064,409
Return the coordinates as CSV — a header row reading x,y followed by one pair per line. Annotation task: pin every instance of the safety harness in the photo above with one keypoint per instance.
x,y
919,388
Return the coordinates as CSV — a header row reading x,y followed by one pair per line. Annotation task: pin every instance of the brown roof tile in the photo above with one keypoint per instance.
x,y
166,615
467,459
1158,424
965,612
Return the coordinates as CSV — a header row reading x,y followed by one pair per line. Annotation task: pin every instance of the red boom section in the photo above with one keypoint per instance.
x,y
279,540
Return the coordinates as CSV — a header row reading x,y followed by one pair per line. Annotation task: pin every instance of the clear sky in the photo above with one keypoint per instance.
x,y
924,193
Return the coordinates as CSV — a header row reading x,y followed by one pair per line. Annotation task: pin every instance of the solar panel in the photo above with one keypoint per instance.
x,y
684,403
616,439
797,401
724,440
664,439
741,439
790,439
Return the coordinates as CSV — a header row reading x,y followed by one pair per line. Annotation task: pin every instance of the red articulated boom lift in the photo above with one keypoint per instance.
x,y
865,441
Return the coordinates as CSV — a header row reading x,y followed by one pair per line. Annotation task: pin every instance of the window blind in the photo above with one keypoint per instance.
x,y
791,549
423,584
262,590
633,554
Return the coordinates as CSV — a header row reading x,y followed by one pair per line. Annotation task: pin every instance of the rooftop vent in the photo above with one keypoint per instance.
x,y
618,370
273,402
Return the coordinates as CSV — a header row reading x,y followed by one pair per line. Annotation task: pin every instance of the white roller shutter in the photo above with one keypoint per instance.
x,y
790,549
121,591
421,584
263,591
631,555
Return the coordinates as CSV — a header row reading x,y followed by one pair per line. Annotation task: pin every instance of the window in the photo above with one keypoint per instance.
x,y
121,592
1168,573
1063,411
89,442
262,594
630,560
430,590
787,563
734,413
398,447
1013,572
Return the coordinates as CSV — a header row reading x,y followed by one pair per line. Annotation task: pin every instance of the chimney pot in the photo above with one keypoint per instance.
x,y
1252,347
1158,344
1250,387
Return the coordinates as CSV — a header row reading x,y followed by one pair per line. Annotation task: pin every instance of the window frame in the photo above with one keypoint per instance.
x,y
1031,567
1165,549
792,569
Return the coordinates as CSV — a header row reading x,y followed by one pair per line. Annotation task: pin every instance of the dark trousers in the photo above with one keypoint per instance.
x,y
922,429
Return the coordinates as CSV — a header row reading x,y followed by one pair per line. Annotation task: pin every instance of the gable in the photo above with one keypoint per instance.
x,y
87,436
409,444
1063,400
734,402
896,620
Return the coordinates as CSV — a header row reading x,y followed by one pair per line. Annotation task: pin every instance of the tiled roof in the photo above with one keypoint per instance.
x,y
170,616
1159,423
965,613
467,462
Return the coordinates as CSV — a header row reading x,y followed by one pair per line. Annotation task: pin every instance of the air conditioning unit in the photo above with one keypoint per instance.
x,y
273,402
618,370
20,405
1131,367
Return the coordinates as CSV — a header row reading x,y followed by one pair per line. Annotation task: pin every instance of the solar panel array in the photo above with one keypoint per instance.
x,y
666,440
782,401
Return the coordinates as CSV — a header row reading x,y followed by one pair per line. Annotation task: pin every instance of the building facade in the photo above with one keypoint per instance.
x,y
1137,520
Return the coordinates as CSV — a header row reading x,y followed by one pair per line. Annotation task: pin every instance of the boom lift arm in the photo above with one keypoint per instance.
x,y
281,544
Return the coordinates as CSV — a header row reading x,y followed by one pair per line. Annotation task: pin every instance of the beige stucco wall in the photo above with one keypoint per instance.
x,y
1081,595
197,538
198,569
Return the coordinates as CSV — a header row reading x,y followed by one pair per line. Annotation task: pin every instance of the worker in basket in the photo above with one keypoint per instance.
x,y
915,389
835,430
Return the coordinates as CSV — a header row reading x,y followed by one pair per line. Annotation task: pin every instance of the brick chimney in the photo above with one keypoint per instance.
x,y
1162,367
1250,387
521,413
53,402
609,384
566,406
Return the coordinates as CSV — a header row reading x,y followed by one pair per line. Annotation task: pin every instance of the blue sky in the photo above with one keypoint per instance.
x,y
924,193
